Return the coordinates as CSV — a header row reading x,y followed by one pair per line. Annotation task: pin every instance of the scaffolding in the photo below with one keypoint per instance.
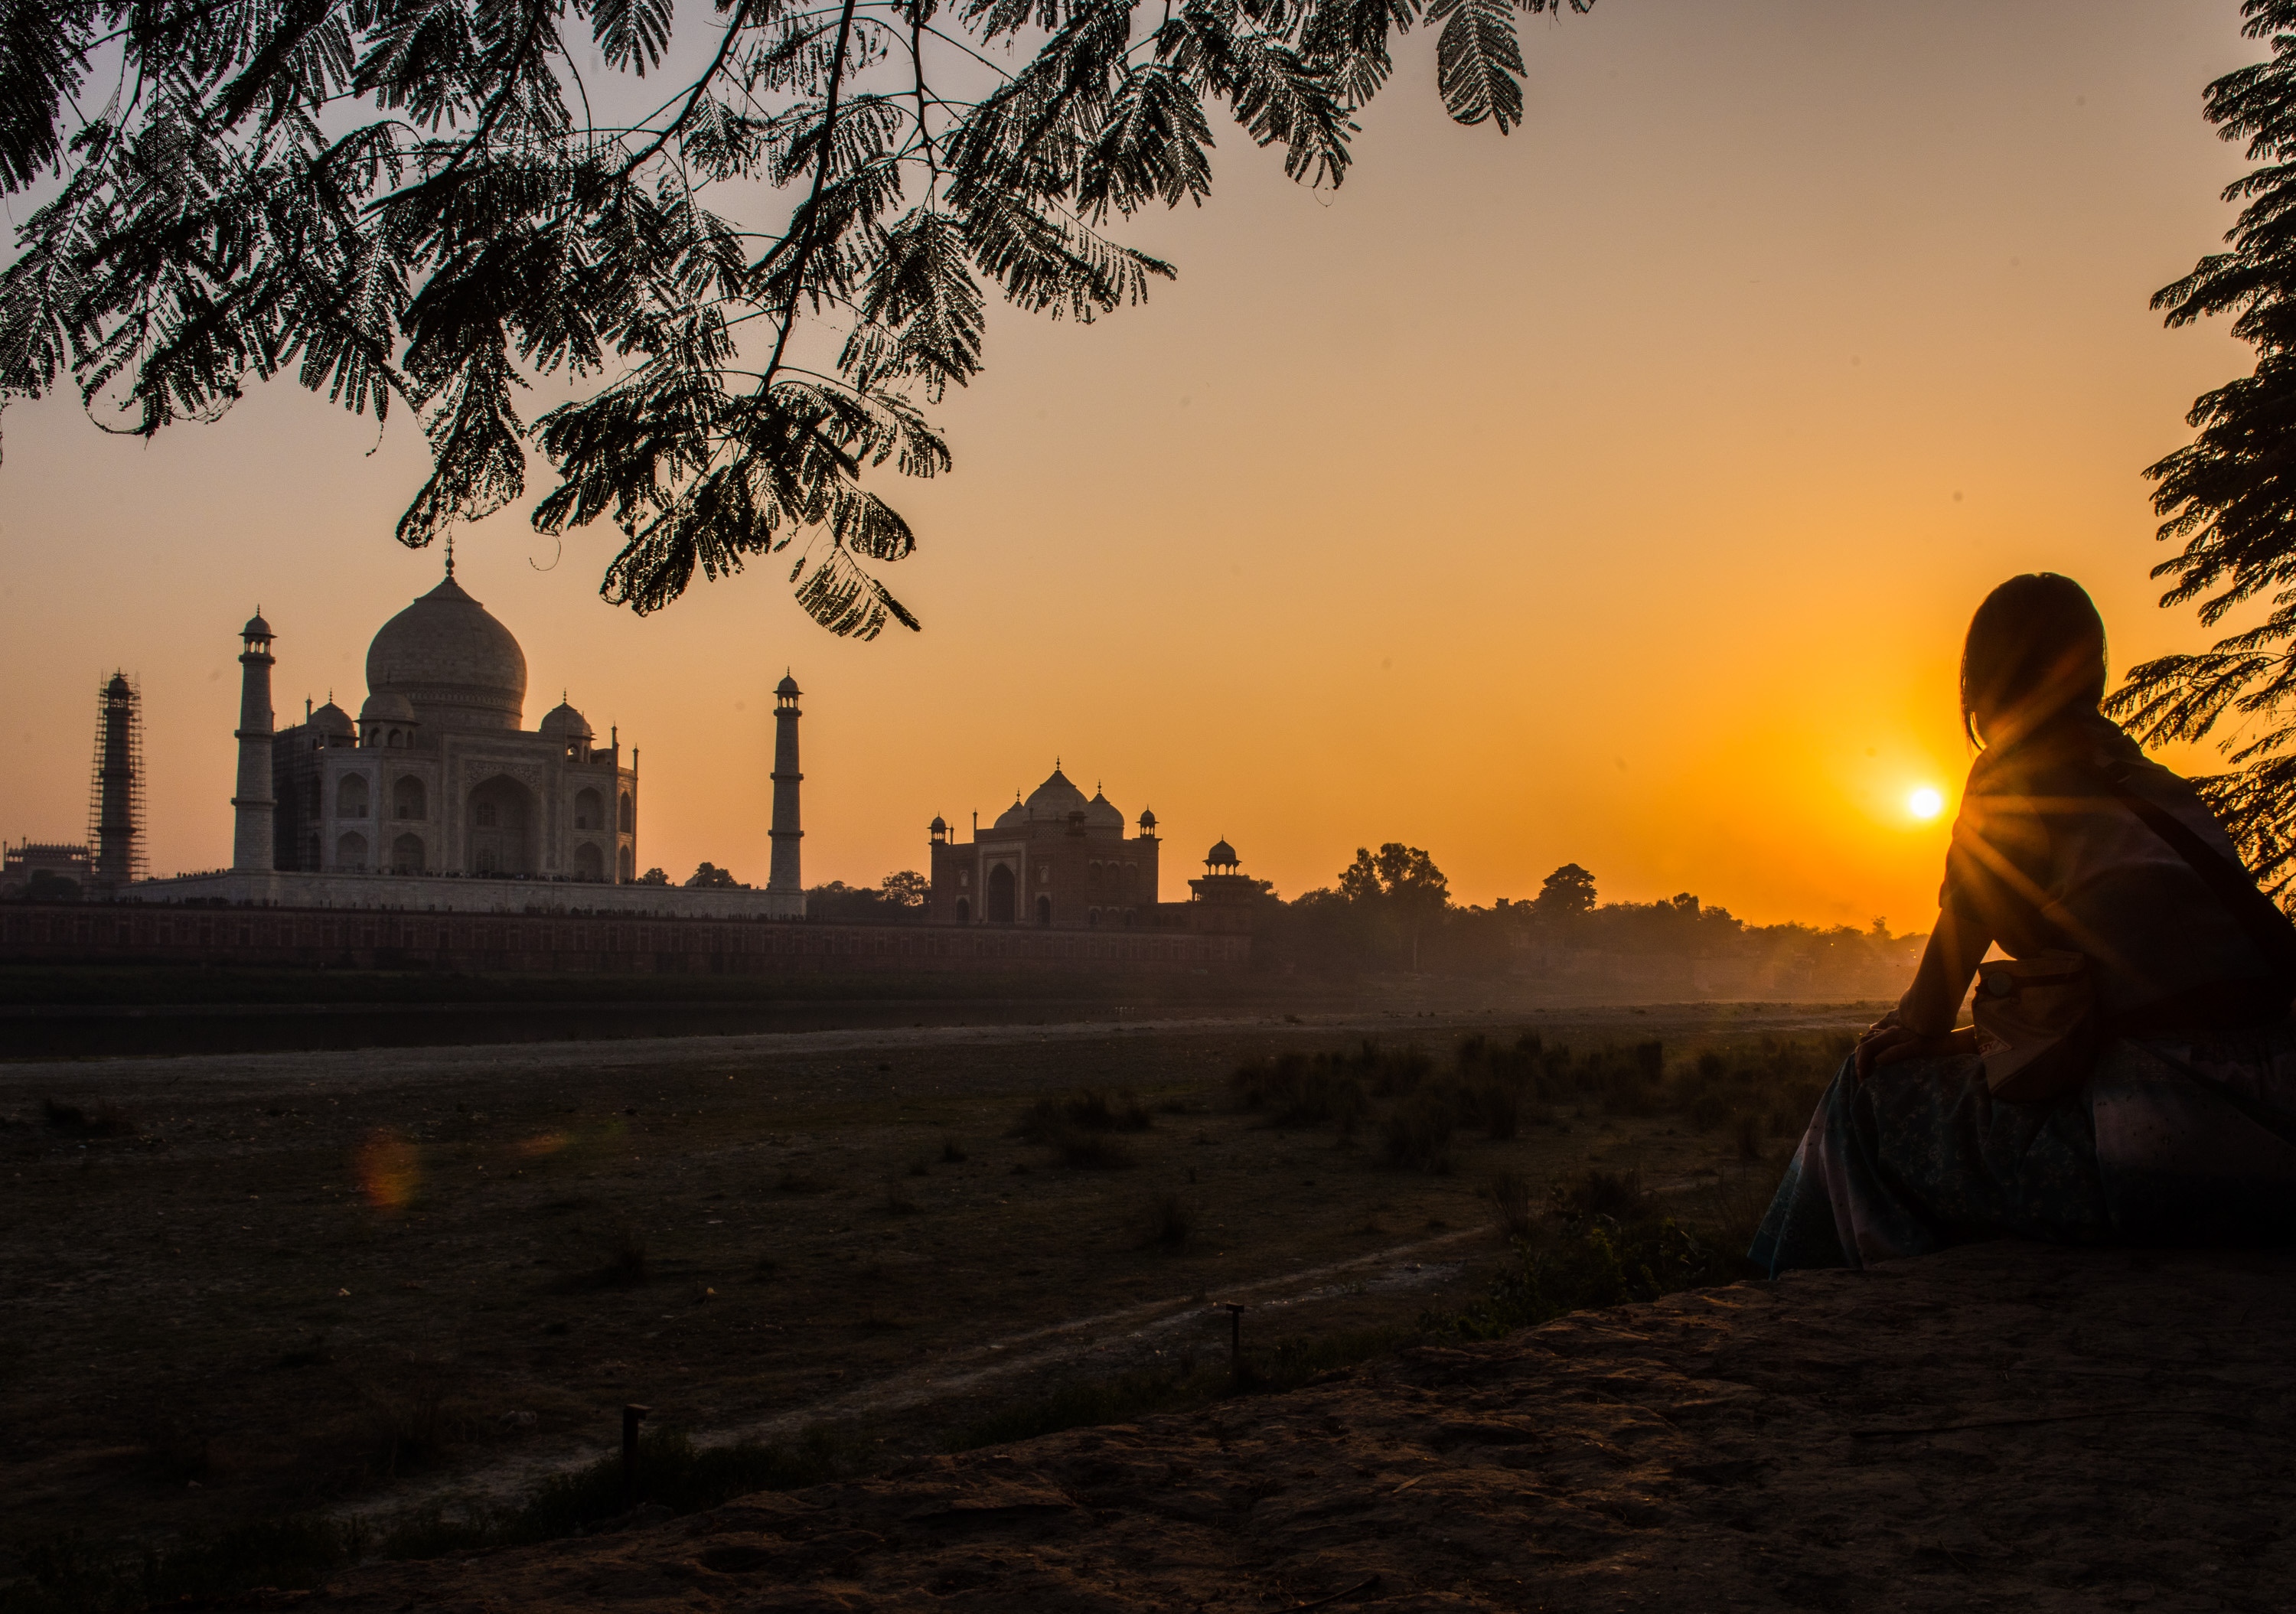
x,y
115,788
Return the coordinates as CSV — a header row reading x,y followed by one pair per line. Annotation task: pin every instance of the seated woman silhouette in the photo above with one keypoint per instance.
x,y
2180,1127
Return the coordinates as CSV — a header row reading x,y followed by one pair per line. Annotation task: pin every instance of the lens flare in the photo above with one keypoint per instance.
x,y
1926,803
389,1170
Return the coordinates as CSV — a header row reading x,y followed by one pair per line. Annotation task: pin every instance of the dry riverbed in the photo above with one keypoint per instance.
x,y
244,1286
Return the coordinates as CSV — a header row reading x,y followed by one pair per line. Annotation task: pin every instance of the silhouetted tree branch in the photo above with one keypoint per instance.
x,y
752,281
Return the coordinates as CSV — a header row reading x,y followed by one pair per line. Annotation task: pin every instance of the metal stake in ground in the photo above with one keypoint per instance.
x,y
631,1418
1234,1310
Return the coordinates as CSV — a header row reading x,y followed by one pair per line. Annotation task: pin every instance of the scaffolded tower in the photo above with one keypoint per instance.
x,y
115,790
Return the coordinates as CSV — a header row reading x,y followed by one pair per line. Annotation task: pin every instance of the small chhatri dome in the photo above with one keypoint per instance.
x,y
117,689
1012,817
565,723
1221,857
257,627
1147,819
1102,813
384,708
445,653
332,719
938,826
787,686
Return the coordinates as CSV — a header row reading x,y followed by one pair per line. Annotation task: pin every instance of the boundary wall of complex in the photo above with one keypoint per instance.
x,y
598,944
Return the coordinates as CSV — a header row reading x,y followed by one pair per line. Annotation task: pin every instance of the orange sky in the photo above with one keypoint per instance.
x,y
1615,492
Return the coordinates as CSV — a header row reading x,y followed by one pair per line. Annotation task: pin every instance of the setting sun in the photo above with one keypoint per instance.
x,y
1926,803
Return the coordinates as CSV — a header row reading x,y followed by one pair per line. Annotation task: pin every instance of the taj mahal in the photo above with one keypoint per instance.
x,y
437,774
438,798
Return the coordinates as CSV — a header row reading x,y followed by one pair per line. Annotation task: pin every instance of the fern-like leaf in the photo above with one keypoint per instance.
x,y
1478,62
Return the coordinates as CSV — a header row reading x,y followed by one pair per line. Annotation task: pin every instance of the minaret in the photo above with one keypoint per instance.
x,y
113,837
786,878
252,807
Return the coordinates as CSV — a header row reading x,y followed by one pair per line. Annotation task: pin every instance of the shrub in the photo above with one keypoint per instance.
x,y
1303,1090
1171,1221
1391,1073
411,1420
1750,1138
672,1472
1417,1132
1086,1110
1592,1260
1731,1212
1509,1193
1095,1152
1497,1108
110,1120
625,1266
1616,1194
1118,1398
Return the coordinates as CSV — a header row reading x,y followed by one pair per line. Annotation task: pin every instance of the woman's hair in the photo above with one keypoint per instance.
x,y
2034,648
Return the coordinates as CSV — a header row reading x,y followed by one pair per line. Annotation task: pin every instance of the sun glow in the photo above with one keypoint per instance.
x,y
1926,803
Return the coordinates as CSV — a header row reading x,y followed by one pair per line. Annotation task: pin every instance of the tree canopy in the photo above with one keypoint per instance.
x,y
2228,498
754,272
1565,894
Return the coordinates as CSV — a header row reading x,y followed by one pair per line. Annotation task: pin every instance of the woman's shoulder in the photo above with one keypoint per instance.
x,y
2069,759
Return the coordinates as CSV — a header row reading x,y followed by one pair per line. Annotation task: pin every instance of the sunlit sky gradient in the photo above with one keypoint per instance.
x,y
1615,492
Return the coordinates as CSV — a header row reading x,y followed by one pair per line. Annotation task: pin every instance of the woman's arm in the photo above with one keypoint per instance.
x,y
1956,947
1921,1024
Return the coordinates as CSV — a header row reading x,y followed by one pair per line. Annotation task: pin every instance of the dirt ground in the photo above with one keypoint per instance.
x,y
1999,1427
363,1282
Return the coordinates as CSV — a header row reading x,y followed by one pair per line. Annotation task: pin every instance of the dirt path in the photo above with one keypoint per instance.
x,y
1109,1342
2004,1426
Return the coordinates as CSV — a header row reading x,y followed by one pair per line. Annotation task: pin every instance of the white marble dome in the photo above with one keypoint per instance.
x,y
565,723
460,668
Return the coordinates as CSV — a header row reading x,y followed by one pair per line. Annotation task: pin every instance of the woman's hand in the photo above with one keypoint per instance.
x,y
1889,1040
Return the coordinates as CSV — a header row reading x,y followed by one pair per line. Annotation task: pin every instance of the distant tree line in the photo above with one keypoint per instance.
x,y
1392,909
900,896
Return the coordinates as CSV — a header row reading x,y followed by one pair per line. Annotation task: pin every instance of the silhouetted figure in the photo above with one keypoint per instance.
x,y
2150,990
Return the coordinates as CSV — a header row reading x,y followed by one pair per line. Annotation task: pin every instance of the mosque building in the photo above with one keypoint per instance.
x,y
1053,859
1058,861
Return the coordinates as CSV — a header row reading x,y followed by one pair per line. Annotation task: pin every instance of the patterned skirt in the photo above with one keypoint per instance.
x,y
2173,1141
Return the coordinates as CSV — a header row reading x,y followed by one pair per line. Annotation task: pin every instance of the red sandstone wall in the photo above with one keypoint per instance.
x,y
552,944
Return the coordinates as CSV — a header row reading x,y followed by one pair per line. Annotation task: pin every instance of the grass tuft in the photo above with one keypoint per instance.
x,y
1417,1132
1508,1193
1171,1221
1080,1129
109,1120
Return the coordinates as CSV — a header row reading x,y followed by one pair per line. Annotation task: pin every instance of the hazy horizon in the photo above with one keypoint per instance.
x,y
1611,493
